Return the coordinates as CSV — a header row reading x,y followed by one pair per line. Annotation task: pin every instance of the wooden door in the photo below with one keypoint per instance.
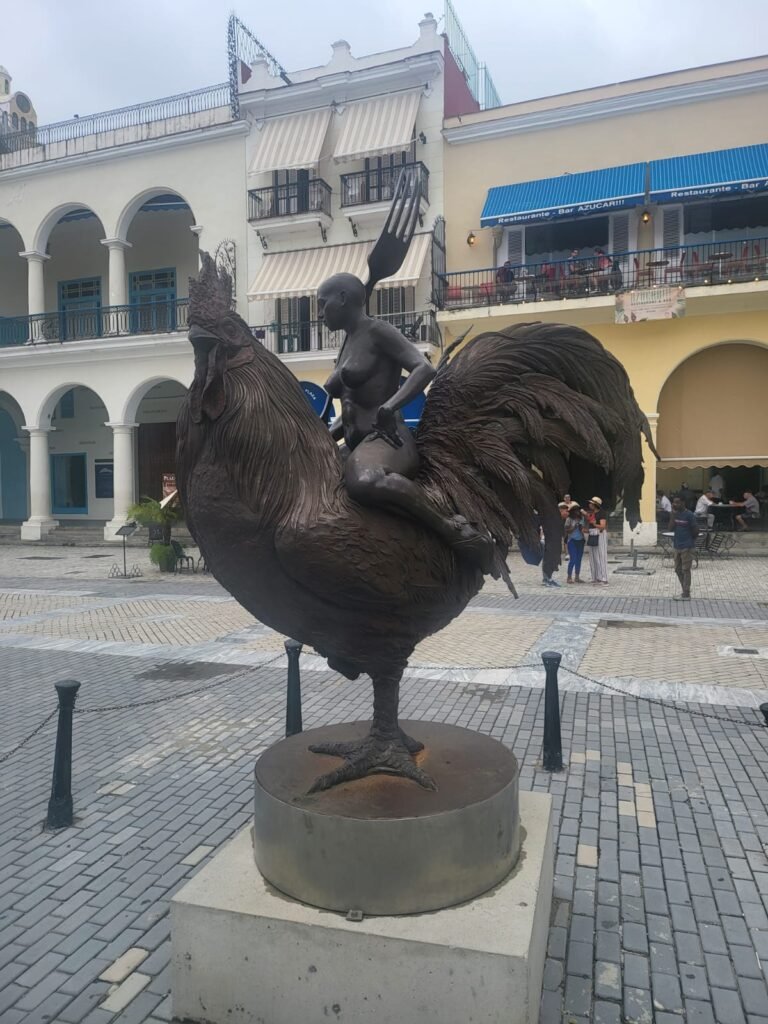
x,y
157,455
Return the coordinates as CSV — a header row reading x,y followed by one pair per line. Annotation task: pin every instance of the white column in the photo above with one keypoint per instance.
x,y
35,290
118,281
40,521
124,479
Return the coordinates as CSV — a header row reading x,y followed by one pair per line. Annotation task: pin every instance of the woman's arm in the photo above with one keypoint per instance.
x,y
421,373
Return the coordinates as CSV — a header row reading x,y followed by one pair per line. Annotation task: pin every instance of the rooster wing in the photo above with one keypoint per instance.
x,y
520,416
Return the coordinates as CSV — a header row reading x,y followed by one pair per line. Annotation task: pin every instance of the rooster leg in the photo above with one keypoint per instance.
x,y
386,748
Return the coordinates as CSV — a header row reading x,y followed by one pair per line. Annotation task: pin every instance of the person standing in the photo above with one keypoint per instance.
x,y
574,541
546,580
686,531
717,485
597,541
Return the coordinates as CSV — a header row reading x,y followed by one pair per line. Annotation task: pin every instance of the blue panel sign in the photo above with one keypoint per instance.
x,y
318,398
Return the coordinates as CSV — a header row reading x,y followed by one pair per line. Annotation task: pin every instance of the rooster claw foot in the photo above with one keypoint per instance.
x,y
369,755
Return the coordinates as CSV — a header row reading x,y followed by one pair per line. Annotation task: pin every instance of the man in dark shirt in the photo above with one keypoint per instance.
x,y
684,525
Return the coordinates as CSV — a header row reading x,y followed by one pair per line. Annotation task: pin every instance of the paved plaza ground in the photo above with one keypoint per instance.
x,y
661,814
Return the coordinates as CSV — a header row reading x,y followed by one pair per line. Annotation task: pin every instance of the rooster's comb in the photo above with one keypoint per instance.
x,y
210,293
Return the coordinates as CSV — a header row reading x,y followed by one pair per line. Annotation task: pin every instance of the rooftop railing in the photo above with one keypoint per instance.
x,y
95,322
713,263
378,184
314,336
169,108
313,196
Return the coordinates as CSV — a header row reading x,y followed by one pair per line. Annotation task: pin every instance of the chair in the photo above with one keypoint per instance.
x,y
674,273
182,561
698,272
738,269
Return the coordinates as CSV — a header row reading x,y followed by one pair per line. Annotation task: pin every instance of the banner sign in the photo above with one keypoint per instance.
x,y
649,304
731,188
169,484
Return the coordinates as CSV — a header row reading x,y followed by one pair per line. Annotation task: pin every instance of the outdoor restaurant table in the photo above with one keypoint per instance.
x,y
654,268
723,515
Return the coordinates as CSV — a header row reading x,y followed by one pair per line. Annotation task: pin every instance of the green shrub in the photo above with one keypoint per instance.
x,y
163,556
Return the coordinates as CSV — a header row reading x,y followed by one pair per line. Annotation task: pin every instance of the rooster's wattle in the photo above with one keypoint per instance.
x,y
512,420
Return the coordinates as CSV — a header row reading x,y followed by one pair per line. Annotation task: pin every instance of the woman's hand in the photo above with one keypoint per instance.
x,y
386,426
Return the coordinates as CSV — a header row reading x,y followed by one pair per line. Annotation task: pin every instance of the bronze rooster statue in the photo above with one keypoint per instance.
x,y
512,420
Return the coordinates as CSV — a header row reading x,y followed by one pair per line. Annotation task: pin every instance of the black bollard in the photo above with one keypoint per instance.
x,y
553,746
764,709
60,804
293,697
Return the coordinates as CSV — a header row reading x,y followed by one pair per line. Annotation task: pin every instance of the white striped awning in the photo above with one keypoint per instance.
x,y
290,143
284,275
382,125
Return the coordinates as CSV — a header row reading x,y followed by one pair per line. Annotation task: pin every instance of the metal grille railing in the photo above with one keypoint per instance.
x,y
314,336
378,184
733,262
194,102
313,196
159,317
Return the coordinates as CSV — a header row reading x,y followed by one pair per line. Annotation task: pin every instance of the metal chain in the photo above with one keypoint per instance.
x,y
9,753
673,705
178,696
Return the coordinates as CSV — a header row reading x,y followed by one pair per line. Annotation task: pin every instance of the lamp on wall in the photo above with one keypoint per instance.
x,y
471,239
422,138
645,217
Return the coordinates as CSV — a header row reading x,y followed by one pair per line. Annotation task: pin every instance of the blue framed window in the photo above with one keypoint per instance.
x,y
153,300
80,308
69,484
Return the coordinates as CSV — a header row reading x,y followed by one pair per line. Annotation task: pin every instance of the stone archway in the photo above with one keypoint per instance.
x,y
13,461
713,412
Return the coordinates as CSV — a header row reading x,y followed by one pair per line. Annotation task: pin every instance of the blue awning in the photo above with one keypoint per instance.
x,y
728,172
570,195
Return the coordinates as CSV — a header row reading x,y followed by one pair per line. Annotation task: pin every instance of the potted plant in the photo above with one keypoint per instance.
x,y
151,512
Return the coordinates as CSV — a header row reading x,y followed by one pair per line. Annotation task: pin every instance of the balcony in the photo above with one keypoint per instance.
x,y
736,262
172,115
313,336
87,324
290,207
367,194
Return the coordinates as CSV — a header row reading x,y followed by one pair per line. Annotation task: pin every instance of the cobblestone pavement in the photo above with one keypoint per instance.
x,y
661,816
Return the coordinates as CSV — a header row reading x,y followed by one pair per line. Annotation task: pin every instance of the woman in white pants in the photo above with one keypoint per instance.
x,y
597,541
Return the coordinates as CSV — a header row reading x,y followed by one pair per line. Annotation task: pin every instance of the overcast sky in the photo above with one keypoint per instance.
x,y
82,56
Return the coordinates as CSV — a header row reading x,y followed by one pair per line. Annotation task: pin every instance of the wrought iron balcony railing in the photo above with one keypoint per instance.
x,y
102,322
714,263
378,184
313,196
42,137
314,336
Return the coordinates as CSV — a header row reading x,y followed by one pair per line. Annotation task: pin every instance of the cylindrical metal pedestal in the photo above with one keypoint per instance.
x,y
384,845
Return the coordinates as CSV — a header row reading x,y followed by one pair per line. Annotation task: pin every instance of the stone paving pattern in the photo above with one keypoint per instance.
x,y
661,816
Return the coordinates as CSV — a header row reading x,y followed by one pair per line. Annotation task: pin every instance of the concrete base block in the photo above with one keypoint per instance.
x,y
243,953
36,529
644,535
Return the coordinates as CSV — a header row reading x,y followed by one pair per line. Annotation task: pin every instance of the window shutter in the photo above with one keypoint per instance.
x,y
515,246
619,234
671,227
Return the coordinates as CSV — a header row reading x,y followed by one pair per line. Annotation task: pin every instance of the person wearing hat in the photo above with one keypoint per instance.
x,y
597,541
574,541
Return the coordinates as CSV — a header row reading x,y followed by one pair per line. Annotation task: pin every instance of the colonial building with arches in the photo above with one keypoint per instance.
x,y
638,211
287,179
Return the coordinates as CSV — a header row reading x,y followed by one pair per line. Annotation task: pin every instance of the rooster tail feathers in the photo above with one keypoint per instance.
x,y
517,417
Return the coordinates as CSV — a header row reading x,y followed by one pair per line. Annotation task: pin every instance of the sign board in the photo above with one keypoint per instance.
x,y
169,484
649,304
318,398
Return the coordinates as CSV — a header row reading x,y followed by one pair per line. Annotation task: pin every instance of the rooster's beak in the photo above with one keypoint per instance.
x,y
202,340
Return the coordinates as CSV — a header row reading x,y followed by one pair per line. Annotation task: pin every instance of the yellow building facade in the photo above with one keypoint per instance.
x,y
645,198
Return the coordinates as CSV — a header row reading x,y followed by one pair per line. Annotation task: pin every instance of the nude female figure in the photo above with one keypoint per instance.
x,y
383,459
